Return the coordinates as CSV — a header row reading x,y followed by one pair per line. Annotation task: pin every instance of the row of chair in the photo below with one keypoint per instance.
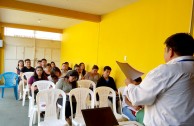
x,y
82,95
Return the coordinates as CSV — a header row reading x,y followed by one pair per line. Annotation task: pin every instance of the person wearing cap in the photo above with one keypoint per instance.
x,y
167,92
66,84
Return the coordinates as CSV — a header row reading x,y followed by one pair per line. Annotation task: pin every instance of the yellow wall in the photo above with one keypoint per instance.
x,y
80,44
137,31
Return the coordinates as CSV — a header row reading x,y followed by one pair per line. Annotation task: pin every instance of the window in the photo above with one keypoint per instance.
x,y
32,34
47,35
19,32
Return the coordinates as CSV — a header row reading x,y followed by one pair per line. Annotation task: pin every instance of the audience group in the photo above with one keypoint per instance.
x,y
65,77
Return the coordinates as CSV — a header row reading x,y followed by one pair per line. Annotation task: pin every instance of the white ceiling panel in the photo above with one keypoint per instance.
x,y
27,18
98,7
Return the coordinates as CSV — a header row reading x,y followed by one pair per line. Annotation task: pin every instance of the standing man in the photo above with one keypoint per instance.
x,y
168,91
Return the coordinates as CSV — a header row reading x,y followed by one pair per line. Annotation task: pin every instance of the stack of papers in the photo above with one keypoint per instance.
x,y
129,71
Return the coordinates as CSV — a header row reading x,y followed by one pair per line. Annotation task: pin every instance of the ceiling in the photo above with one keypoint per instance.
x,y
34,18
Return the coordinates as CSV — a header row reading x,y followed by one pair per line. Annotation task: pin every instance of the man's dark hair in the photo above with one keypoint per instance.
x,y
181,43
44,59
76,65
95,67
138,80
107,68
27,60
48,64
67,63
39,61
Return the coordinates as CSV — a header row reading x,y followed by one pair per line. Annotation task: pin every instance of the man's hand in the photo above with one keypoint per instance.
x,y
130,81
136,108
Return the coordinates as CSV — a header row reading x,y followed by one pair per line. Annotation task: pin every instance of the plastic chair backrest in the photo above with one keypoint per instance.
x,y
50,97
10,78
80,95
27,75
103,93
120,92
41,85
86,84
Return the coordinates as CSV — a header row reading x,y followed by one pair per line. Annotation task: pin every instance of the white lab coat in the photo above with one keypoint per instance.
x,y
167,93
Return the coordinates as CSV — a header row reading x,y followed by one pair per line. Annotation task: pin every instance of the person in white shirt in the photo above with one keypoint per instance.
x,y
168,91
127,108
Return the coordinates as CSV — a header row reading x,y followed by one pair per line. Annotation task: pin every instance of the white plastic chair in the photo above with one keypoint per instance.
x,y
80,95
50,97
41,85
120,92
86,84
103,93
25,86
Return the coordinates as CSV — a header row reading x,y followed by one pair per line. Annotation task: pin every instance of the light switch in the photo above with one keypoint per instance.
x,y
125,58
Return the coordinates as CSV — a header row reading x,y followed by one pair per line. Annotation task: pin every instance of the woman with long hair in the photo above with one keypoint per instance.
x,y
19,67
53,64
55,75
82,68
38,75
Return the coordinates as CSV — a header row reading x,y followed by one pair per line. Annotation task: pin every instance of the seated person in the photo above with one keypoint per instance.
x,y
38,75
64,68
27,68
82,69
19,68
55,75
47,70
66,84
106,80
43,63
77,68
128,109
93,75
39,63
53,64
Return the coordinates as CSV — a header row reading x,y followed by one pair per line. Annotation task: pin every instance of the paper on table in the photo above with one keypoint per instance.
x,y
129,71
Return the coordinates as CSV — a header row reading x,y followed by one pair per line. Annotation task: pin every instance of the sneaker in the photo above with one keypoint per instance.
x,y
42,114
20,99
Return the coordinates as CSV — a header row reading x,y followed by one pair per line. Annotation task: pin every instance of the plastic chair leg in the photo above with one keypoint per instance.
x,y
30,121
2,92
34,117
24,98
16,93
30,107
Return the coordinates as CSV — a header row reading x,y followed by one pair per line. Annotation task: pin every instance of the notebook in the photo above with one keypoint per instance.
x,y
99,117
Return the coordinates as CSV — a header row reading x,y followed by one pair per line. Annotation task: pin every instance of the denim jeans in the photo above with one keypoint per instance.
x,y
128,113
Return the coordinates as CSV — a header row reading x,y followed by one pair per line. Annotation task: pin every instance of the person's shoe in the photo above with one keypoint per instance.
x,y
69,121
42,114
20,99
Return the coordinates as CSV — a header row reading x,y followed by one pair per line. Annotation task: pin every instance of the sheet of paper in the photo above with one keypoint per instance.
x,y
129,71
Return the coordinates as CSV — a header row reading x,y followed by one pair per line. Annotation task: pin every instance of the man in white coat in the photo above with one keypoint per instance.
x,y
167,92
